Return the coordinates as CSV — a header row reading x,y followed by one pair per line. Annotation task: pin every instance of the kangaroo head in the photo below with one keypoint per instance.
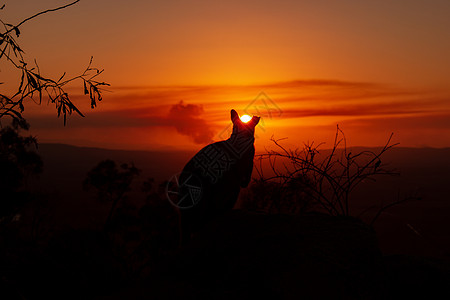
x,y
243,128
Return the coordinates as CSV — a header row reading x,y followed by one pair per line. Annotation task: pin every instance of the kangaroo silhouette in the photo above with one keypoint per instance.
x,y
210,182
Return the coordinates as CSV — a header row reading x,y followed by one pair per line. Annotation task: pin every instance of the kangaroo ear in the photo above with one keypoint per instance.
x,y
234,116
255,120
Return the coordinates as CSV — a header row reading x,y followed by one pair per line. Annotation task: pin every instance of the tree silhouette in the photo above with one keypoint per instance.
x,y
18,161
111,183
34,86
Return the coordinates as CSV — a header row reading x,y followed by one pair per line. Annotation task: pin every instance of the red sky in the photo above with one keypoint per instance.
x,y
178,67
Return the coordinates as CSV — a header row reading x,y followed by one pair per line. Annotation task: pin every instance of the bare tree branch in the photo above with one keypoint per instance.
x,y
33,86
40,13
325,178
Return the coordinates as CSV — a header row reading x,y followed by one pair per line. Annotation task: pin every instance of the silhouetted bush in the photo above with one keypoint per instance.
x,y
111,183
143,235
310,178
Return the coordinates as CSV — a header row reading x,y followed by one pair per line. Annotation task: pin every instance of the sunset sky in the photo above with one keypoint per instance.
x,y
176,68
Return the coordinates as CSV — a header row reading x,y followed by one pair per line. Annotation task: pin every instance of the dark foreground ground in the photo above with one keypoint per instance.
x,y
249,255
240,256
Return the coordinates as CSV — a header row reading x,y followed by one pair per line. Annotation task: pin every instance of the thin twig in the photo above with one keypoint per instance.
x,y
40,13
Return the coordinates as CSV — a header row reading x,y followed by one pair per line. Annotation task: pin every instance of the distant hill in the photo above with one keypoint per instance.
x,y
424,171
65,161
66,166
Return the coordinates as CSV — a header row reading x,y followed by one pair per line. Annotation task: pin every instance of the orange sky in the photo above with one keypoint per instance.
x,y
178,67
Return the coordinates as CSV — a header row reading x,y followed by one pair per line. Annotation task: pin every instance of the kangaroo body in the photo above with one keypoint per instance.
x,y
210,182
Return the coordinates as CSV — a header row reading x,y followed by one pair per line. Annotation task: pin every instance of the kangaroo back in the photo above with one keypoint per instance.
x,y
210,182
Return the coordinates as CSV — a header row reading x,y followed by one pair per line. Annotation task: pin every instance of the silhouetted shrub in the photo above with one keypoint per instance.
x,y
111,183
311,178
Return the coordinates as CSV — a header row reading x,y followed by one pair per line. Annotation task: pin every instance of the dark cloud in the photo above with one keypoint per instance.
x,y
101,119
187,121
185,118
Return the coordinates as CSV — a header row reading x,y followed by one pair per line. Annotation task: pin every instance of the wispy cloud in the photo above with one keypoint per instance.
x,y
370,108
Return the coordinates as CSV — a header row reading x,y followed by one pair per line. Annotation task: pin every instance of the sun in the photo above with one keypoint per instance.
x,y
245,118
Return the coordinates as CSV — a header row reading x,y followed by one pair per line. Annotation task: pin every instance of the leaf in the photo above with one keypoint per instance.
x,y
19,49
39,76
17,31
40,96
32,81
85,89
79,112
15,48
21,82
72,106
14,114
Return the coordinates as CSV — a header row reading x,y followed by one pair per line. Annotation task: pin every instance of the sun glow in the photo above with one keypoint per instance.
x,y
245,118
